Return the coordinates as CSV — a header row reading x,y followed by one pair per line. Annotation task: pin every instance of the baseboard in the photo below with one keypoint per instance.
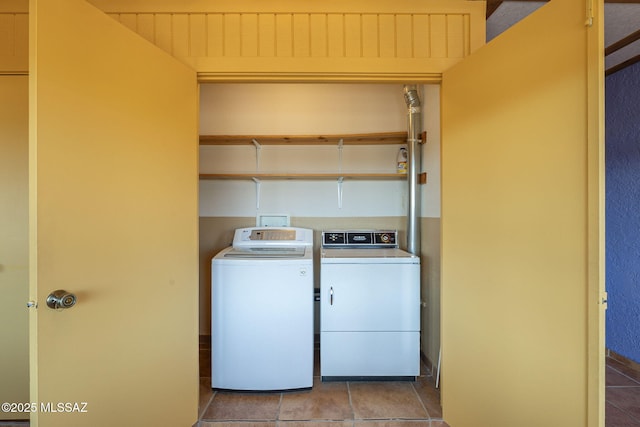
x,y
624,360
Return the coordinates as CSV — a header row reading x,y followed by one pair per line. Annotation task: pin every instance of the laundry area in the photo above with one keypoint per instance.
x,y
301,113
320,169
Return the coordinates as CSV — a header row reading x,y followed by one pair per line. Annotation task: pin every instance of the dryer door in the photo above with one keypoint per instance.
x,y
370,297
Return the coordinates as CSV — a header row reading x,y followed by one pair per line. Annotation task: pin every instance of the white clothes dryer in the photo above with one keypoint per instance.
x,y
369,307
262,311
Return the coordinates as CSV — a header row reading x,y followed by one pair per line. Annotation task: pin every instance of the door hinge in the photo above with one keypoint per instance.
x,y
589,22
604,299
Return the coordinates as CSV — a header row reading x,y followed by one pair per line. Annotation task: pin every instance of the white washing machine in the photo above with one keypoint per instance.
x,y
369,307
262,311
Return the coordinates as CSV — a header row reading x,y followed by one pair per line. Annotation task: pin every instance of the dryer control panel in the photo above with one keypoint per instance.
x,y
360,239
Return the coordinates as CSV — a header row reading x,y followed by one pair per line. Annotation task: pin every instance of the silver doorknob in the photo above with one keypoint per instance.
x,y
61,299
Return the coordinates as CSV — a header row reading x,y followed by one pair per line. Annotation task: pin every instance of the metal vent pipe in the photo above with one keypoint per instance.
x,y
414,159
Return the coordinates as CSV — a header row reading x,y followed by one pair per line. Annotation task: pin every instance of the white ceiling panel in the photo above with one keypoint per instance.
x,y
620,20
509,13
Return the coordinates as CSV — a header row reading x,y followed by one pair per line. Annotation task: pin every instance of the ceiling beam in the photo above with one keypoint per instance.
x,y
622,43
492,6
622,65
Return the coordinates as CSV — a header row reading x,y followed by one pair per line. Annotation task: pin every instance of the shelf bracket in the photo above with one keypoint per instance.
x,y
258,148
340,181
340,146
258,183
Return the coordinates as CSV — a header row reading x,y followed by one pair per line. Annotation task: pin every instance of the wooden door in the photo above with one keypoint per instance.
x,y
522,225
113,219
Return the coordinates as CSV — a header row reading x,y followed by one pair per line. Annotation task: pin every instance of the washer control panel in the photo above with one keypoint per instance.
x,y
360,239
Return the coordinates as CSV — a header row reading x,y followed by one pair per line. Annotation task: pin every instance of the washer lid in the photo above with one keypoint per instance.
x,y
268,252
231,255
368,256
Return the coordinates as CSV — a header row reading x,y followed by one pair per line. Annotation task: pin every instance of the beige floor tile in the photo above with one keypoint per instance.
x,y
616,377
629,368
227,406
615,417
392,423
390,400
315,424
625,398
237,424
206,393
326,401
429,395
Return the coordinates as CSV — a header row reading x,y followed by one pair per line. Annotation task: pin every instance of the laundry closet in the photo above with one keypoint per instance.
x,y
360,129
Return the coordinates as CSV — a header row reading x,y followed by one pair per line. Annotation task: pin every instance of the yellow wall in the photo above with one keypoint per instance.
x,y
14,255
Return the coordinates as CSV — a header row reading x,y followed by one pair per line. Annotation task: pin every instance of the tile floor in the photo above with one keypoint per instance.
x,y
364,404
376,404
327,404
622,395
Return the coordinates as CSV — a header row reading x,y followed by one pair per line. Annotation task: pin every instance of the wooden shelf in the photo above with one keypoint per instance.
x,y
309,176
351,139
379,138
